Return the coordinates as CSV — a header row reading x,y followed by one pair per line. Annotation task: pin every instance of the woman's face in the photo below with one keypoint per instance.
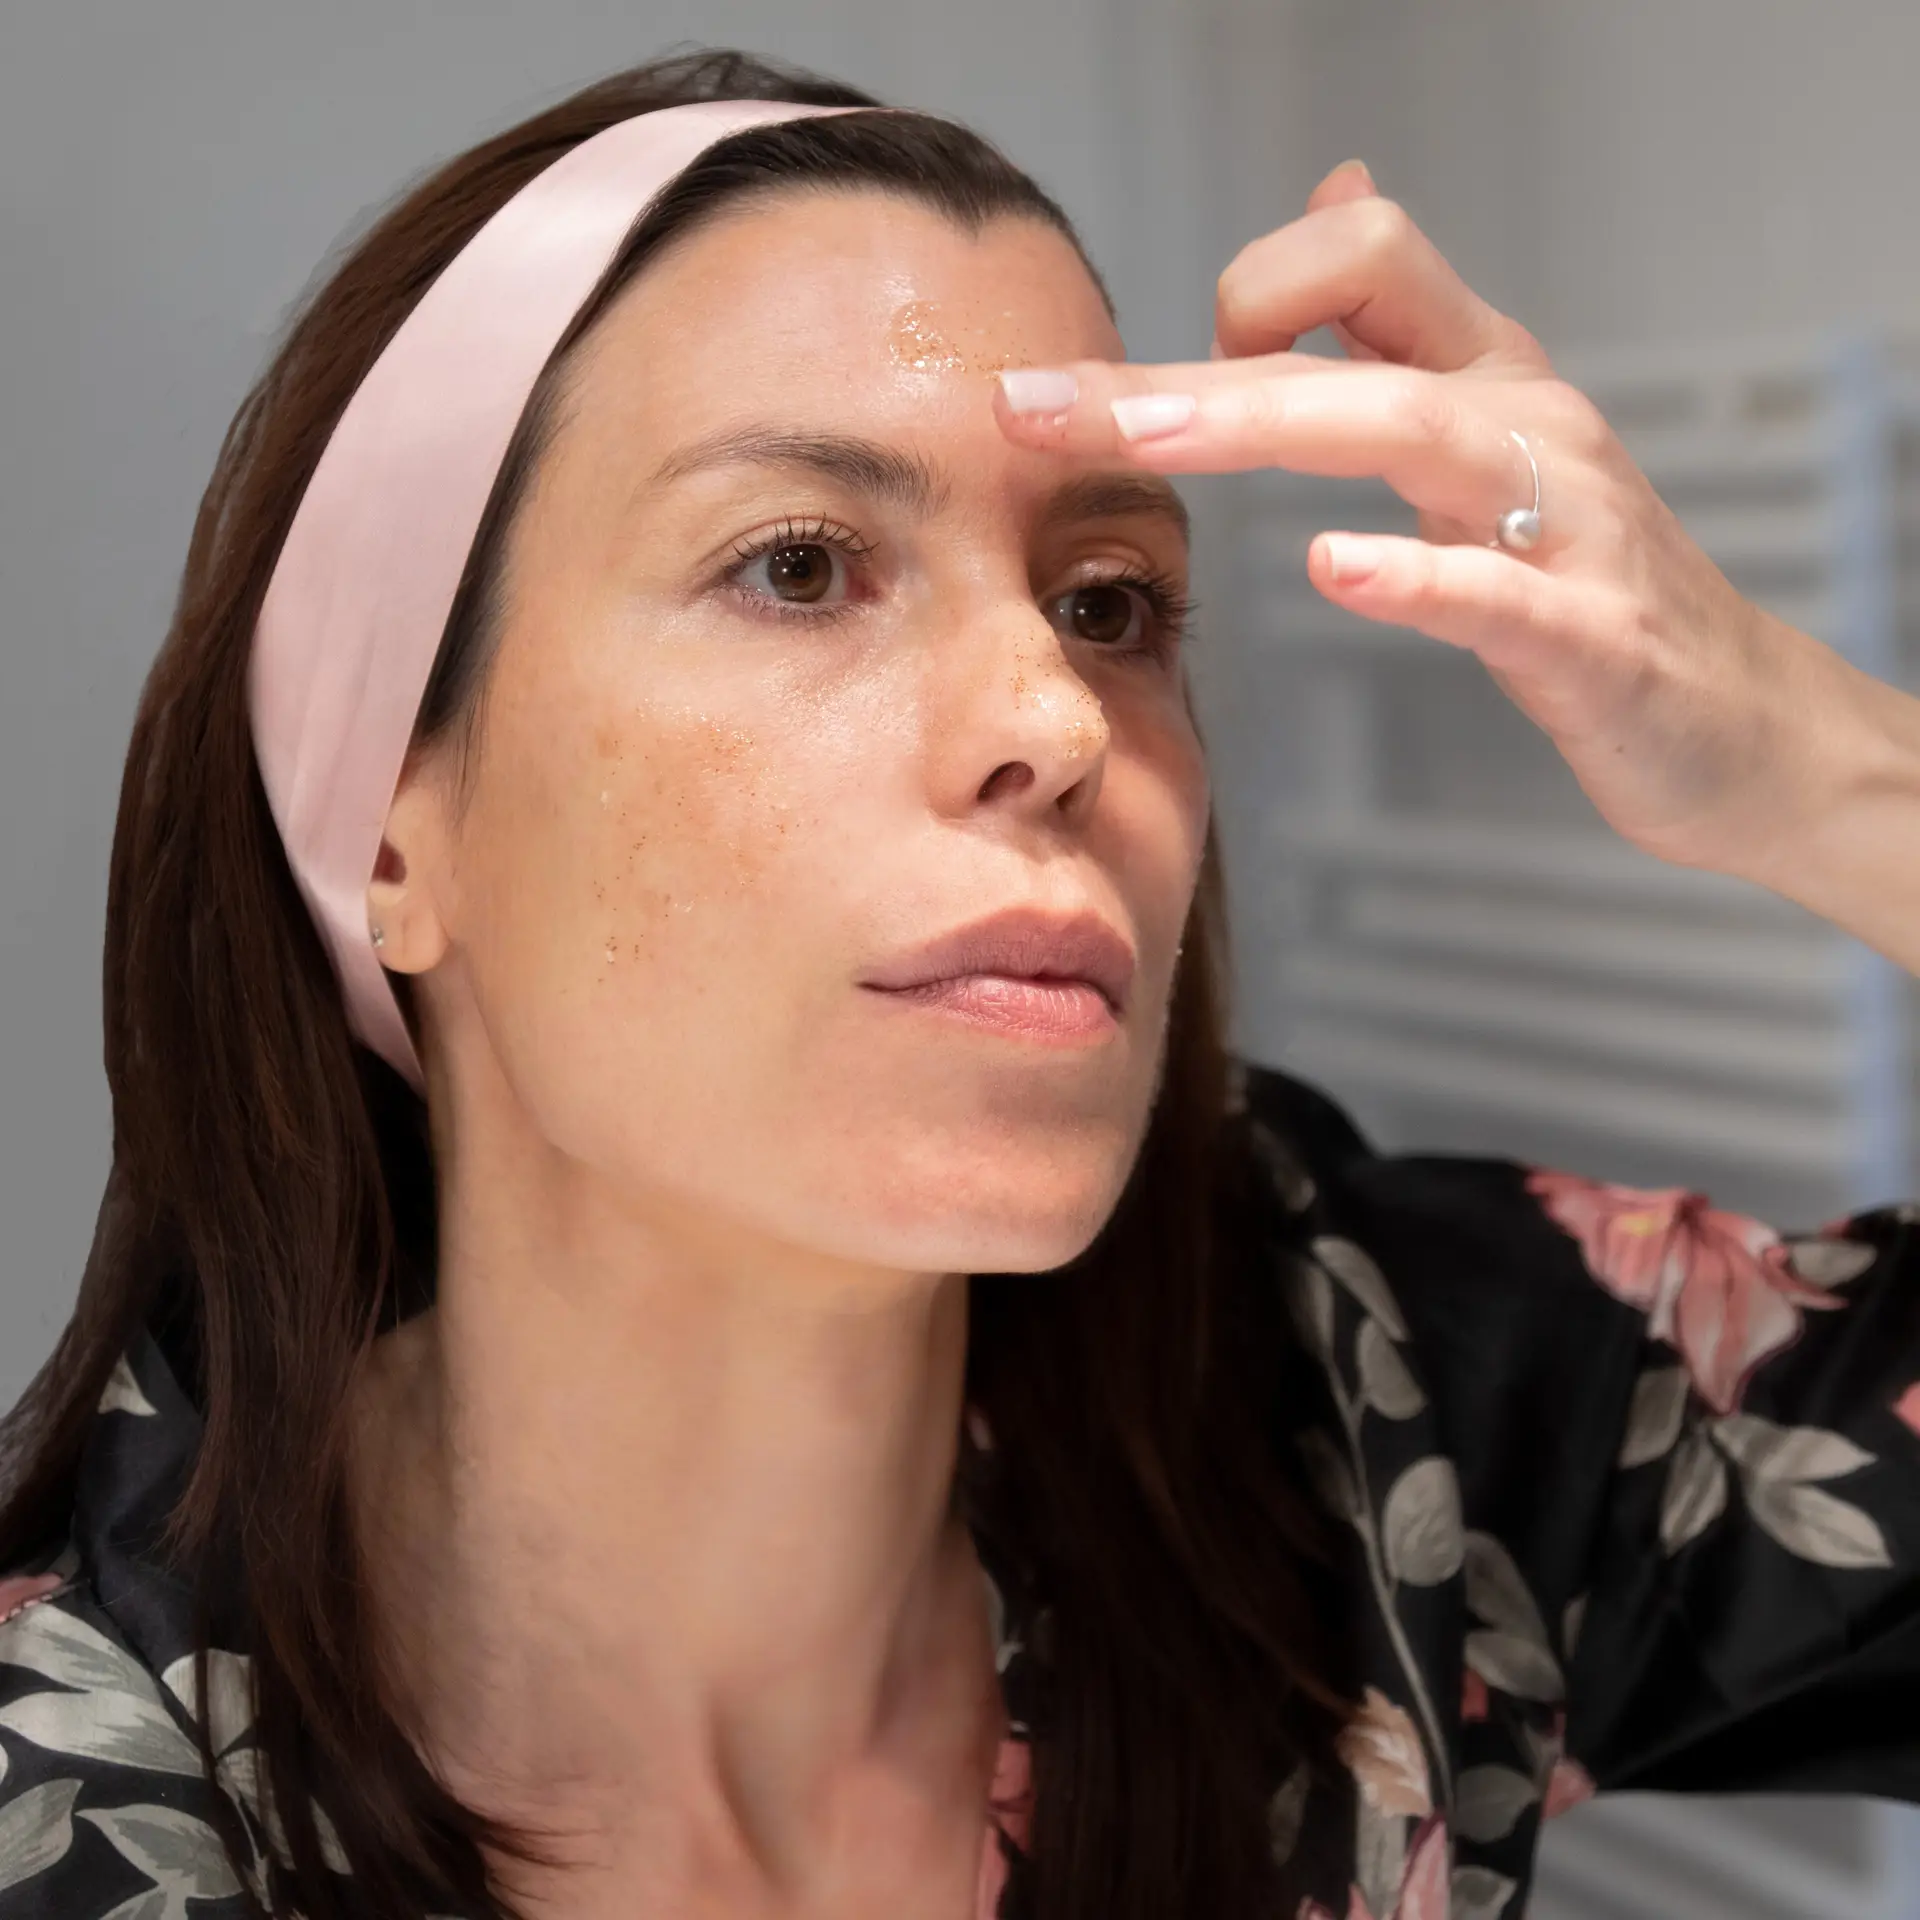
x,y
803,666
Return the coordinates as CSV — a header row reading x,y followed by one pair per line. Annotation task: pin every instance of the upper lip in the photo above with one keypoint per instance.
x,y
1026,943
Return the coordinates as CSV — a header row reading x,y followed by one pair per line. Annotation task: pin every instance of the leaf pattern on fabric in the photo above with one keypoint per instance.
x,y
62,1648
1286,1812
1385,1380
1654,1418
1524,1668
1696,1491
1817,1526
1357,1271
1420,1526
1424,1891
1497,1592
36,1830
1488,1800
1480,1894
229,1694
178,1853
104,1706
1777,1469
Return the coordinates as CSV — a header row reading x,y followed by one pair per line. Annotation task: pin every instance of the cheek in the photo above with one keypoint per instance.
x,y
631,877
1158,800
682,822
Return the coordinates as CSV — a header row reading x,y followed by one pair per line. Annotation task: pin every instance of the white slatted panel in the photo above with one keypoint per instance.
x,y
1445,935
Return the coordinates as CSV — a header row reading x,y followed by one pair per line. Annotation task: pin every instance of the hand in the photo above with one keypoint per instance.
x,y
1703,729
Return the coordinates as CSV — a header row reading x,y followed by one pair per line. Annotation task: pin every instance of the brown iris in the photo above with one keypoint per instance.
x,y
1102,614
801,572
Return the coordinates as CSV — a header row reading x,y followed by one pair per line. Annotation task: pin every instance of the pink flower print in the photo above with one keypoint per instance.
x,y
1717,1287
1567,1785
1907,1407
20,1590
1381,1749
1474,1704
1424,1888
1010,1801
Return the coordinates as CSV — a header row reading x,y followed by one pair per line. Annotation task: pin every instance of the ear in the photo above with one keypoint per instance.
x,y
401,898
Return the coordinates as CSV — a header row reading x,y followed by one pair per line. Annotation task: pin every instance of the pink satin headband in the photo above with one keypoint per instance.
x,y
361,591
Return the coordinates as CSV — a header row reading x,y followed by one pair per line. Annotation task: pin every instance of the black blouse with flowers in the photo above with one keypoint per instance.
x,y
1629,1488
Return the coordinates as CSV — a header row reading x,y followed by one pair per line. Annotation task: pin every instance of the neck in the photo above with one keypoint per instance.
x,y
658,1529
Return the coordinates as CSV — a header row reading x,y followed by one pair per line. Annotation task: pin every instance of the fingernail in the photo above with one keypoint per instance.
x,y
1350,560
1361,168
1039,389
1151,416
1215,351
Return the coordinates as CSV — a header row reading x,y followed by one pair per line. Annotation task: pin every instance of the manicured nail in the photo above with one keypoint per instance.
x,y
1350,559
1039,389
1151,416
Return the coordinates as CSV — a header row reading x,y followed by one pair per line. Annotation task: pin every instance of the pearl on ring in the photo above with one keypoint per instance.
x,y
1518,529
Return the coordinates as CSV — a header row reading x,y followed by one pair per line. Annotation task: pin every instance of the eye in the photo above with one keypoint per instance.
x,y
1108,613
1132,614
799,570
801,573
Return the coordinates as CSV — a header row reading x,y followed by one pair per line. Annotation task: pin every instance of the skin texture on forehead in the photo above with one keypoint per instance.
x,y
694,823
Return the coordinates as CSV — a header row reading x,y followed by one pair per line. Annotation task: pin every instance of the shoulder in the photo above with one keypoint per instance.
x,y
1445,1282
104,1798
1466,1238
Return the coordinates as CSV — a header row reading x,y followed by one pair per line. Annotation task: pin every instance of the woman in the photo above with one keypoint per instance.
x,y
690,1317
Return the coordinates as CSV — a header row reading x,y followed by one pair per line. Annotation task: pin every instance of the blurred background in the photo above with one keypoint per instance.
x,y
1703,207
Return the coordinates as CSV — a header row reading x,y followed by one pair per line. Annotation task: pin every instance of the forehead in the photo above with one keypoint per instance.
x,y
859,299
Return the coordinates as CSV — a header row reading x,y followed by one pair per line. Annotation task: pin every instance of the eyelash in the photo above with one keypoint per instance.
x,y
1171,608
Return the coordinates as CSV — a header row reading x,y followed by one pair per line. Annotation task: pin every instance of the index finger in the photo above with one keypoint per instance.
x,y
1362,265
1068,409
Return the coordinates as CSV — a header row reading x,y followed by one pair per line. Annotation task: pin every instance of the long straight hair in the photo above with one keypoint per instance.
x,y
271,1197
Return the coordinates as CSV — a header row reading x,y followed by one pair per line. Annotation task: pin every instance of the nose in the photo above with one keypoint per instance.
x,y
1013,728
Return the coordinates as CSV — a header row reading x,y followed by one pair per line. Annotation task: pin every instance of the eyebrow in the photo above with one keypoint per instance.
x,y
911,483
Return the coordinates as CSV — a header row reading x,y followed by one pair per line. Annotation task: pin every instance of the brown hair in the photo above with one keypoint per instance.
x,y
271,1198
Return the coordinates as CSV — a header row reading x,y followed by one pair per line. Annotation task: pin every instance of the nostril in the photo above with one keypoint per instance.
x,y
1011,776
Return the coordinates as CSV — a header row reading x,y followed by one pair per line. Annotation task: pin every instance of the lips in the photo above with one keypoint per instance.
x,y
1021,944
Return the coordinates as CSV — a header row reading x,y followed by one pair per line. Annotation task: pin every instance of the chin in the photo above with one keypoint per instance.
x,y
998,1211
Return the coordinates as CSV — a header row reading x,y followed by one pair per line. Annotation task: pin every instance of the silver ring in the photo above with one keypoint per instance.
x,y
1518,529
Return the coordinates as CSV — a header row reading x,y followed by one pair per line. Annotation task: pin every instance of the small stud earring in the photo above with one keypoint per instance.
x,y
379,938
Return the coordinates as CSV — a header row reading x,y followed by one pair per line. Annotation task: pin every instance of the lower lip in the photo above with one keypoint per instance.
x,y
1062,1011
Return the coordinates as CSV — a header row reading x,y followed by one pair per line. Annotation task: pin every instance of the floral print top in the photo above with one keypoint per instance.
x,y
1628,1489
